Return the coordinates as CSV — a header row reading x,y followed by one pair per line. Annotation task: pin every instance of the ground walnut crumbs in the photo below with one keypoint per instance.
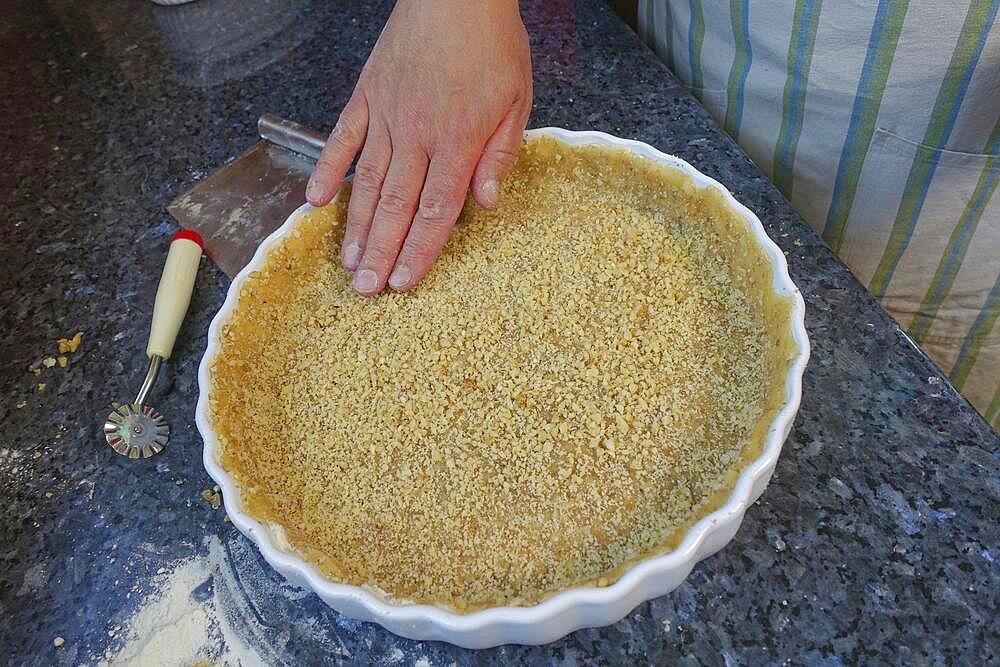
x,y
579,378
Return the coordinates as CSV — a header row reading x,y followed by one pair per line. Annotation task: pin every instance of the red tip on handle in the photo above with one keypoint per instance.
x,y
190,236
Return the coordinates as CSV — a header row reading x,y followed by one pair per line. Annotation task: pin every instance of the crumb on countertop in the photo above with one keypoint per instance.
x,y
212,497
70,344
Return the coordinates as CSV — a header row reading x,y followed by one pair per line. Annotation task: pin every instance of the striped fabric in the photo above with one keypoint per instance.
x,y
884,37
880,122
742,59
800,50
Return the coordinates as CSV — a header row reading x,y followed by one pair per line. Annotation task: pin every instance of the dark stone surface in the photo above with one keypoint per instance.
x,y
877,540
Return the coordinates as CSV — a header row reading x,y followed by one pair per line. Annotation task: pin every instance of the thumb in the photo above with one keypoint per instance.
x,y
498,157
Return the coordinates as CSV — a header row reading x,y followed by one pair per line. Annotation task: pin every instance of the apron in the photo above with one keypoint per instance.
x,y
880,122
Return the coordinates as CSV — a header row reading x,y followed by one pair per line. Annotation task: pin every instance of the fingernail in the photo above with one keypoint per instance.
x,y
491,190
352,255
400,278
313,190
366,281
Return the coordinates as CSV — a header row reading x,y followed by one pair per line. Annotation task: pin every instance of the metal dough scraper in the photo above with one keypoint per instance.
x,y
235,208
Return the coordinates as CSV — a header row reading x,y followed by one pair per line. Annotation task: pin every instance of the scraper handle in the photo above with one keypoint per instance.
x,y
291,135
174,293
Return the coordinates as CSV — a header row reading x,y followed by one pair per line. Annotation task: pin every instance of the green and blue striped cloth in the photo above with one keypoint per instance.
x,y
880,122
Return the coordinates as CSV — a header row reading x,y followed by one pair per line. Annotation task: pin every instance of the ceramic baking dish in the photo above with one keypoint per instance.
x,y
576,607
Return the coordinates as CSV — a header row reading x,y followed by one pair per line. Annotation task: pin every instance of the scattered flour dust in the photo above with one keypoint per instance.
x,y
227,608
181,622
14,466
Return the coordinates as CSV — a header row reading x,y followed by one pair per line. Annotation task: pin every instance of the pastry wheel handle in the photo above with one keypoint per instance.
x,y
173,295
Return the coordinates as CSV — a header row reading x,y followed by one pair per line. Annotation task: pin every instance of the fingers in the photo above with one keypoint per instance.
x,y
341,146
369,174
396,205
499,156
440,204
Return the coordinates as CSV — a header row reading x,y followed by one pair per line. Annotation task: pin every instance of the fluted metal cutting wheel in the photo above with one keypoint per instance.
x,y
136,431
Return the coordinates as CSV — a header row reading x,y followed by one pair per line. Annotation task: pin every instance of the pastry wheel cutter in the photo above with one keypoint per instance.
x,y
136,429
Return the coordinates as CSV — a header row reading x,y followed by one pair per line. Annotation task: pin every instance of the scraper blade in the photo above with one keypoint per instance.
x,y
235,208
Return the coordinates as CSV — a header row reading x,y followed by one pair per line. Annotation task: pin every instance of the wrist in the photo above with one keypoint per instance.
x,y
461,8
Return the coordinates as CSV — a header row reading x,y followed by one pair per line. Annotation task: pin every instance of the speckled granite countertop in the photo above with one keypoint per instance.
x,y
876,541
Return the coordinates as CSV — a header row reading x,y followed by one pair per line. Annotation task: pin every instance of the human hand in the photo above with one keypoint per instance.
x,y
441,104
